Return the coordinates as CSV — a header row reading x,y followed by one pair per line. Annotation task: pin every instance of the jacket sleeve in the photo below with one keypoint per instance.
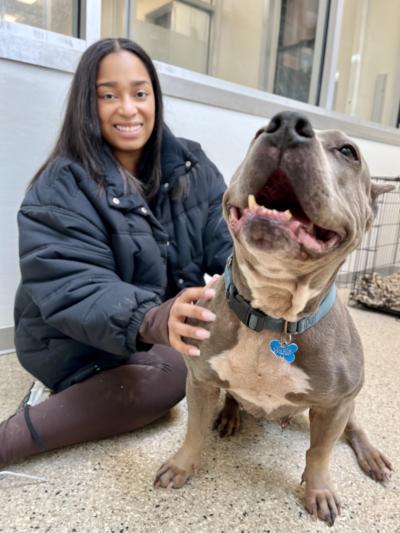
x,y
68,269
154,328
217,241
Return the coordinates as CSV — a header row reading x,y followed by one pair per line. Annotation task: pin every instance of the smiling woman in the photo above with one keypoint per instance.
x,y
126,106
100,315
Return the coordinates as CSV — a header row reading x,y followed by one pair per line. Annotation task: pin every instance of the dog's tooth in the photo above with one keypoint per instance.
x,y
252,202
310,227
288,214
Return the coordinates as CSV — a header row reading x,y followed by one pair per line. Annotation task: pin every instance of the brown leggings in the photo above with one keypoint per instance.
x,y
111,402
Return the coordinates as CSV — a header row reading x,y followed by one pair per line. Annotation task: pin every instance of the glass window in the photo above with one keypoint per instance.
x,y
368,69
173,32
295,53
54,15
113,18
238,44
264,44
274,45
271,45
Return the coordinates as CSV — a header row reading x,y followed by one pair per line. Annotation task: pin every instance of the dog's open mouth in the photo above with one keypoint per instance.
x,y
277,204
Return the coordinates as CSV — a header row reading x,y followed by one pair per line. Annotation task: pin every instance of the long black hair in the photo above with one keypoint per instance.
x,y
80,137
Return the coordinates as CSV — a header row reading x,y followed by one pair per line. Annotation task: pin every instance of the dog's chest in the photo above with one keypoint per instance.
x,y
256,376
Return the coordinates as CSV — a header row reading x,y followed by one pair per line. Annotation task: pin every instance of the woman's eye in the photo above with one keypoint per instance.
x,y
348,151
141,94
107,97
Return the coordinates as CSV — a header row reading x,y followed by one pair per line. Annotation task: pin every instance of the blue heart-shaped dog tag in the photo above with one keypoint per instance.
x,y
284,351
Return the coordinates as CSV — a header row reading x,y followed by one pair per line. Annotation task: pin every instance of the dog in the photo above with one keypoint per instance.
x,y
282,341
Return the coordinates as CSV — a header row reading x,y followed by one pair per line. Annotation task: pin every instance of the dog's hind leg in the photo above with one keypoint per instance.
x,y
228,419
202,400
326,426
370,459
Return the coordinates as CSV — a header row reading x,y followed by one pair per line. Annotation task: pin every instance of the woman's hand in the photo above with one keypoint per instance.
x,y
185,307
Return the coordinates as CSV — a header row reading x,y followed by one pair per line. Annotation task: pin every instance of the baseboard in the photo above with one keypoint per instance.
x,y
7,340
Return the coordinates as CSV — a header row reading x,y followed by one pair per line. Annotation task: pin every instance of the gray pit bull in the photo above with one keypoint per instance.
x,y
299,203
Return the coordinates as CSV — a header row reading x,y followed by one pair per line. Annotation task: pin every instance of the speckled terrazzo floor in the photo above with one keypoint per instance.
x,y
248,483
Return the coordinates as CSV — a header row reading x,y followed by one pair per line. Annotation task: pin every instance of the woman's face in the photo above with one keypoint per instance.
x,y
125,105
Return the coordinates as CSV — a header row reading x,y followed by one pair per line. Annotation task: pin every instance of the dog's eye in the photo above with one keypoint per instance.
x,y
349,151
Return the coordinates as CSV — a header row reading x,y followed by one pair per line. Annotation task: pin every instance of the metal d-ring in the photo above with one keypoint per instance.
x,y
286,337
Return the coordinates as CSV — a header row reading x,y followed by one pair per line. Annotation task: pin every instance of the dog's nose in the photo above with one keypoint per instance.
x,y
288,129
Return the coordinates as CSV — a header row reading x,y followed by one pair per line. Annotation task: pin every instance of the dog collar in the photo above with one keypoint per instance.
x,y
257,320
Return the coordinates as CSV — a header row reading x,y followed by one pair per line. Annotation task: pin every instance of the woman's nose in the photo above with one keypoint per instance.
x,y
128,106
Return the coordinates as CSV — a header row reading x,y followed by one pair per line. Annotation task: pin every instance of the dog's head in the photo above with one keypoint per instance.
x,y
301,200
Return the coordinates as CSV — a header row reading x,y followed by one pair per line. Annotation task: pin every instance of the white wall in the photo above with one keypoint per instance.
x,y
225,136
31,107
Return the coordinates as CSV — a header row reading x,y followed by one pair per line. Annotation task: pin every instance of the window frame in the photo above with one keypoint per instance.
x,y
44,48
270,48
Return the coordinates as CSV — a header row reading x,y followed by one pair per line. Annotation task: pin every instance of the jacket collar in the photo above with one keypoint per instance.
x,y
176,158
176,161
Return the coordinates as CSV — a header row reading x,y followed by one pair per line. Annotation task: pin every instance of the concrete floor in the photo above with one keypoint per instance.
x,y
248,483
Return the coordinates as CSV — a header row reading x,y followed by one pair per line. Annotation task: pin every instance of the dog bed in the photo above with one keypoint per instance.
x,y
378,292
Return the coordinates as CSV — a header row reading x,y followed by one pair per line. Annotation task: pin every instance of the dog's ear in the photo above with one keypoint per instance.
x,y
376,190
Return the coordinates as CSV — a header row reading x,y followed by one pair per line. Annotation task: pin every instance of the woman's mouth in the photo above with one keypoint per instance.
x,y
128,130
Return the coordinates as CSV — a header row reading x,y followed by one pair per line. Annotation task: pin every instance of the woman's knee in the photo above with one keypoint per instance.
x,y
173,372
168,361
156,379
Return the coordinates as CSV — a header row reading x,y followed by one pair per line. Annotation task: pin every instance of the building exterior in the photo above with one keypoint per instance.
x,y
226,67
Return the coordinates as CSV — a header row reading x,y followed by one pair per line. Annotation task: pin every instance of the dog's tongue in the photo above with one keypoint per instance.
x,y
304,235
296,221
309,241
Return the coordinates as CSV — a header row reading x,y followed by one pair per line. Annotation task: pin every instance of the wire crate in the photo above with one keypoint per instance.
x,y
373,271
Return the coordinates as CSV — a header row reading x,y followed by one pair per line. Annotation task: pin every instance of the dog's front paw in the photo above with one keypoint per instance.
x,y
170,475
320,500
323,504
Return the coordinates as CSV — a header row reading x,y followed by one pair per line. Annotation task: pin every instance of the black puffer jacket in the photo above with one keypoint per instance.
x,y
94,261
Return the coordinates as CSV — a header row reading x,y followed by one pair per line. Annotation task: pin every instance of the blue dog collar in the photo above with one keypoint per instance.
x,y
257,320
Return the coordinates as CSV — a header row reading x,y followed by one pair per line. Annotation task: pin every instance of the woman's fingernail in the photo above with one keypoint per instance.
x,y
208,315
202,334
209,293
194,351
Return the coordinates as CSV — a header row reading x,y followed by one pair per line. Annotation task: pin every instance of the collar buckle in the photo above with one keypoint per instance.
x,y
252,318
255,320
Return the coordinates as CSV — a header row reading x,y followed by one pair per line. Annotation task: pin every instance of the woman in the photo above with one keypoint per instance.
x,y
120,218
